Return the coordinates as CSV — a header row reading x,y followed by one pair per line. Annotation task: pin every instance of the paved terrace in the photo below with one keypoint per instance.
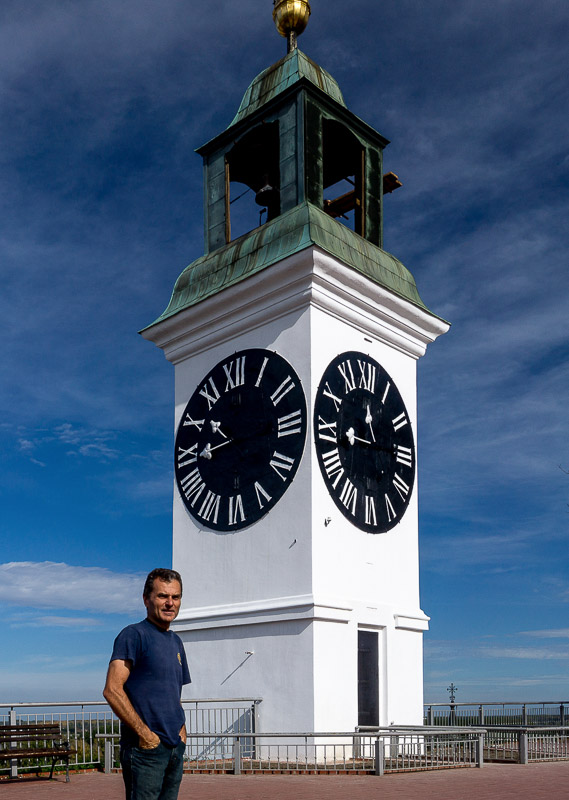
x,y
492,782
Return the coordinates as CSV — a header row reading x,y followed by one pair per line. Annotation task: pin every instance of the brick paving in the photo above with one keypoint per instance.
x,y
492,782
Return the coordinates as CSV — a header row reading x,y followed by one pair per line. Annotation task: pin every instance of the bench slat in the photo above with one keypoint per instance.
x,y
8,755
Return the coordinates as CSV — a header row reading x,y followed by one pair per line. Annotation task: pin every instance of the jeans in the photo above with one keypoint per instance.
x,y
152,774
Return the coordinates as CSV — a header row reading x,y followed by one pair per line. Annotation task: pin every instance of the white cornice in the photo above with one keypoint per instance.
x,y
305,607
411,623
309,278
279,609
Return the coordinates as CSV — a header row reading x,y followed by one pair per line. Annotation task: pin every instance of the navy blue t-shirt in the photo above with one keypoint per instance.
x,y
154,686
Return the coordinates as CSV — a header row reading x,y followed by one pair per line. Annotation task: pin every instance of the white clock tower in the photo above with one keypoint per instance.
x,y
295,347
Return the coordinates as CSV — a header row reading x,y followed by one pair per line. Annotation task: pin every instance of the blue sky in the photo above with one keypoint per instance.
x,y
101,106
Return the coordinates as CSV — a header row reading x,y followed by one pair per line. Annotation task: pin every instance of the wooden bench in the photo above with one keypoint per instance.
x,y
34,740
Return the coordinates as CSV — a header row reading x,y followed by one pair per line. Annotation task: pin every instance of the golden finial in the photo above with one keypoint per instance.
x,y
291,18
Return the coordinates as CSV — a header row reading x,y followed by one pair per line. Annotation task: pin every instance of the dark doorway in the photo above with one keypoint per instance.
x,y
368,678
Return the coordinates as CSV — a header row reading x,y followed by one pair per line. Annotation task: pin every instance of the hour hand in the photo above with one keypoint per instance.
x,y
208,449
216,428
351,437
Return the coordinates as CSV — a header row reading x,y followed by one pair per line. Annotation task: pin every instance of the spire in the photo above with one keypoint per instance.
x,y
291,18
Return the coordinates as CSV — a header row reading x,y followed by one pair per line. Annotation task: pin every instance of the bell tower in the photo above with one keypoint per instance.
x,y
295,339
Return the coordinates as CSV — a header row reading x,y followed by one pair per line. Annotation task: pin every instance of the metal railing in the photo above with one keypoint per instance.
x,y
385,750
522,744
224,736
93,730
538,713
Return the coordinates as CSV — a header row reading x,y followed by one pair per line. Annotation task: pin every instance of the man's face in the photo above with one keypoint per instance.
x,y
163,603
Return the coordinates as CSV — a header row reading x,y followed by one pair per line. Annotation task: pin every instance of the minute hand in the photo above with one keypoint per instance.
x,y
368,421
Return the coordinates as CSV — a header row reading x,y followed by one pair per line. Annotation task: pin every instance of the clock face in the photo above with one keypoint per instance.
x,y
364,442
240,439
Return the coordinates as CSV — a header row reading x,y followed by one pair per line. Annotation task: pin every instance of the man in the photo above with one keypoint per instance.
x,y
144,684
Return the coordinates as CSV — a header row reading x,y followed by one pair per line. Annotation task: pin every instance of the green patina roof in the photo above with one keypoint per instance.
x,y
301,227
286,72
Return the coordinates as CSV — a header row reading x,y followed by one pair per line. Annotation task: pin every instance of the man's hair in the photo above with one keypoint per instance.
x,y
167,575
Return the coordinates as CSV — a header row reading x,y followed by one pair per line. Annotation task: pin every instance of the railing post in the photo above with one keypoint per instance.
x,y
108,755
379,762
14,761
481,715
524,714
357,745
562,715
431,716
236,756
480,750
523,747
255,724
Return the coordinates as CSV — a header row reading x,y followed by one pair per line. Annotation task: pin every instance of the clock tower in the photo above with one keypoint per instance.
x,y
295,339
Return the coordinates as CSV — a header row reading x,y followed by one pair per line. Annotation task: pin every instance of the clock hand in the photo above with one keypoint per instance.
x,y
216,428
208,449
351,436
368,422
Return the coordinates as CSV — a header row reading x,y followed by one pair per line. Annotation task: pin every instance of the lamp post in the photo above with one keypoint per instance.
x,y
451,690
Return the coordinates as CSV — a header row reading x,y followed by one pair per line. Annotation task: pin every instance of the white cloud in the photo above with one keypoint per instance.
x,y
51,621
556,633
539,653
48,584
457,651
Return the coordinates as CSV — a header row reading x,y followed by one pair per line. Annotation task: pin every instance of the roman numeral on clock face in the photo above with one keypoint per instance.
x,y
349,496
404,455
367,376
289,424
333,466
399,421
391,515
329,393
260,375
286,386
235,372
192,486
347,374
261,493
401,487
327,430
279,462
188,456
211,398
210,507
197,423
236,513
370,514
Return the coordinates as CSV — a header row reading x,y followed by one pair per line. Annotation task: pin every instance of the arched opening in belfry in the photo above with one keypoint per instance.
x,y
343,175
252,181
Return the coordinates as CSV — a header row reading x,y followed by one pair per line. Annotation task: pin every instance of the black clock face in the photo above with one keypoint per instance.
x,y
240,439
364,442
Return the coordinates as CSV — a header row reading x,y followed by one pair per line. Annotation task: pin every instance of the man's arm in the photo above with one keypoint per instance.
x,y
117,698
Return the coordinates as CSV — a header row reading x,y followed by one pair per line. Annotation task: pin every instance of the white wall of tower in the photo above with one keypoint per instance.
x,y
295,587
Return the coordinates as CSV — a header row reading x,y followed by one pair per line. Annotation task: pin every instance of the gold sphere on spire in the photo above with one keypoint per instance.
x,y
291,16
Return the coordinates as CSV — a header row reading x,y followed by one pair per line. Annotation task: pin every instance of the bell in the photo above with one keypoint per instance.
x,y
267,195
